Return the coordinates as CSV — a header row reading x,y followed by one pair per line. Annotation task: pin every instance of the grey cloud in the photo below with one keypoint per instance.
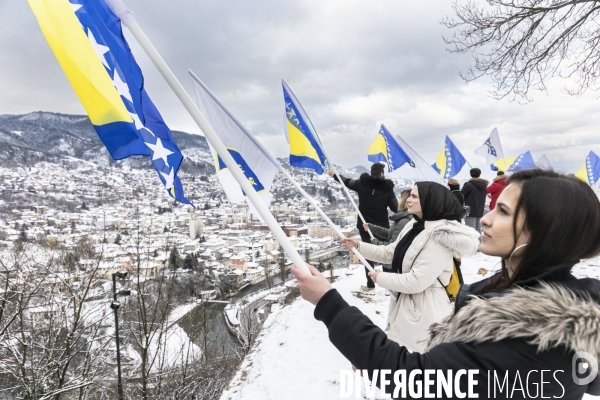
x,y
353,64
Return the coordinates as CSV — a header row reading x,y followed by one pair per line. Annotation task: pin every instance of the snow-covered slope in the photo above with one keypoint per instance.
x,y
293,358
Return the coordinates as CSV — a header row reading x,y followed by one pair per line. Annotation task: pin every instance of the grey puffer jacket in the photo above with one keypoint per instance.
x,y
389,235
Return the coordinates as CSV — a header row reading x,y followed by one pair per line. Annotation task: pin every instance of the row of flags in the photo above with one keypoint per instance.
x,y
87,40
450,161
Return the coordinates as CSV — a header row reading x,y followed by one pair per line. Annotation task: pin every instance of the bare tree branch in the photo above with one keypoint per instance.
x,y
521,44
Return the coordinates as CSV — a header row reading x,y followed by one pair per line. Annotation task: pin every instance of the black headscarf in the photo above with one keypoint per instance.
x,y
437,202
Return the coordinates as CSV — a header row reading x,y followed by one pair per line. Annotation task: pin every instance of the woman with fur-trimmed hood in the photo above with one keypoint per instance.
x,y
532,317
422,263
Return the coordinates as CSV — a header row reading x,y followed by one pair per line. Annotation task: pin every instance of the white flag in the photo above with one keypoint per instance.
x,y
259,166
419,163
491,149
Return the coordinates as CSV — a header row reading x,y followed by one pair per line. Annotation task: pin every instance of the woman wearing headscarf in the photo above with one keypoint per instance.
x,y
422,263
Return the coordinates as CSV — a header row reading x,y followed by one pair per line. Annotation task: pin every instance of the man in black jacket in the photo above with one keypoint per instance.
x,y
375,195
474,192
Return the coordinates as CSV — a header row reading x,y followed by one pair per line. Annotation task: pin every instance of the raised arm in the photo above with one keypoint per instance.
x,y
367,347
381,232
352,184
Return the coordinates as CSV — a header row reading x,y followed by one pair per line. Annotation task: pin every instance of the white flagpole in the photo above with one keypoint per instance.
x,y
214,140
331,164
313,202
346,191
273,160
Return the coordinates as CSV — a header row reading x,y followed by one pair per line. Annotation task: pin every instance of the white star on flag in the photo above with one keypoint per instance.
x,y
100,48
159,151
291,114
121,86
76,7
138,122
169,178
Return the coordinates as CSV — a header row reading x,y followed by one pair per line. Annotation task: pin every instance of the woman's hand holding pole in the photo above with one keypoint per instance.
x,y
312,286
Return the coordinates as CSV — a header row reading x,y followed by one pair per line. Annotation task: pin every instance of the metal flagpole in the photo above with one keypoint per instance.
x,y
208,132
313,202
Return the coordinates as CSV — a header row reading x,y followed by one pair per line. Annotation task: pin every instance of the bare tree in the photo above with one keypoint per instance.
x,y
51,338
57,331
521,44
249,322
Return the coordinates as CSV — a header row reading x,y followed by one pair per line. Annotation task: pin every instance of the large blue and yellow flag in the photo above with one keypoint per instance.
x,y
386,149
590,171
88,42
305,148
450,161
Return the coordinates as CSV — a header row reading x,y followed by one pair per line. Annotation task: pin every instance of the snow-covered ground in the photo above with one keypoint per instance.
x,y
293,358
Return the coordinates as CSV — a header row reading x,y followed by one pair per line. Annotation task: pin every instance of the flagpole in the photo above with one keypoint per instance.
x,y
313,202
344,188
214,140
347,193
330,164
274,161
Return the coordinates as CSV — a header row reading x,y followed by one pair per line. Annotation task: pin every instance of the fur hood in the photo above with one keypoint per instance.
x,y
371,182
479,180
499,178
461,239
546,316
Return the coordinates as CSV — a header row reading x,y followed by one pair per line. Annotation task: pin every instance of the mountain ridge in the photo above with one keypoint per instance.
x,y
26,139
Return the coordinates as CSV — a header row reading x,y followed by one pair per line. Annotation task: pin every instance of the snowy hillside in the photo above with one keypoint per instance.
x,y
293,358
44,136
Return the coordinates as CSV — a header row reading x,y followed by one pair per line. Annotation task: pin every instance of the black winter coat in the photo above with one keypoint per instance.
x,y
375,196
535,325
474,192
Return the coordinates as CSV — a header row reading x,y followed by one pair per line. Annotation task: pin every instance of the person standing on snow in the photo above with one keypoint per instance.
x,y
375,196
531,316
422,263
475,191
496,188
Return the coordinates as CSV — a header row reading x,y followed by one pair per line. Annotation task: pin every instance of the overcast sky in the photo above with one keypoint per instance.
x,y
353,65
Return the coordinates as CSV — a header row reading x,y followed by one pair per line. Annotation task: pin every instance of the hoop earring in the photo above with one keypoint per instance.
x,y
511,254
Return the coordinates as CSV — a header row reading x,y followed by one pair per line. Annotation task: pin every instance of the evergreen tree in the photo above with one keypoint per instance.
x,y
174,259
321,266
190,261
118,239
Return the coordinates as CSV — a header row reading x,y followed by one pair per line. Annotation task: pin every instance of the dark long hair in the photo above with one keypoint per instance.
x,y
562,217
